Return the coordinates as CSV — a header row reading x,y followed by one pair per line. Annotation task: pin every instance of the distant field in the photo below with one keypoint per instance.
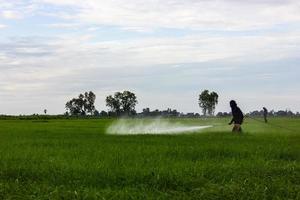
x,y
75,159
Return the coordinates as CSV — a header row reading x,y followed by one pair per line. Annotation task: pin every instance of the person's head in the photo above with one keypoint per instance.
x,y
233,104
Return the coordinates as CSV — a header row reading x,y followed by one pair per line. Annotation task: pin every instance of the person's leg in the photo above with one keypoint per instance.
x,y
240,130
266,118
237,128
234,129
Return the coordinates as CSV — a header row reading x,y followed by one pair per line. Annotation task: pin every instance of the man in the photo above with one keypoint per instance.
x,y
265,114
237,117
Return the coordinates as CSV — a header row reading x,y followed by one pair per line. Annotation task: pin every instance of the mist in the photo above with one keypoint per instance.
x,y
155,126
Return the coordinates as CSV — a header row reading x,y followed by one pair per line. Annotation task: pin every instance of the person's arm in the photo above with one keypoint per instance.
x,y
231,121
233,117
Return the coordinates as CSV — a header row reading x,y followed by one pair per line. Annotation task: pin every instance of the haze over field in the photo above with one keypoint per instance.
x,y
153,126
167,52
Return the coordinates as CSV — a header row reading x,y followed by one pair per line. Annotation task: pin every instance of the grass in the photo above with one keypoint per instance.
x,y
74,159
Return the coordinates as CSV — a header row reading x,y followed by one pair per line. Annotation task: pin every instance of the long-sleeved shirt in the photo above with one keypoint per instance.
x,y
265,112
237,115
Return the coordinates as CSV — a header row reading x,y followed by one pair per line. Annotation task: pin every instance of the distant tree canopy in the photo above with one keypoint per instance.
x,y
82,105
159,113
208,102
122,103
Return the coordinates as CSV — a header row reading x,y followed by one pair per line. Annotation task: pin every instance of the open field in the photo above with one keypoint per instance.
x,y
75,159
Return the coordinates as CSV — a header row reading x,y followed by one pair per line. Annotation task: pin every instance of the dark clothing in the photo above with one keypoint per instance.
x,y
237,115
265,115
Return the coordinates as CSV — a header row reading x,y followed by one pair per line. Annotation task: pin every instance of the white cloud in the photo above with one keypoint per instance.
x,y
17,9
9,14
147,14
47,57
51,69
27,60
64,25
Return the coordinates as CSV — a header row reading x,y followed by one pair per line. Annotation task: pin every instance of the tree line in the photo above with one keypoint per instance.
x,y
121,103
124,103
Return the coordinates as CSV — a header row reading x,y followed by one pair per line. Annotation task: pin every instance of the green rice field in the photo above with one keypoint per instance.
x,y
76,159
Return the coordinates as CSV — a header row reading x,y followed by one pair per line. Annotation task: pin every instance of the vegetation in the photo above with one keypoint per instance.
x,y
82,105
208,102
160,113
122,103
74,159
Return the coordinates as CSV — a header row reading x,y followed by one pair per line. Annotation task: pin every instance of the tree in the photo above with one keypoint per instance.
x,y
45,111
122,103
96,113
128,102
89,101
208,102
82,105
146,112
75,106
114,103
103,113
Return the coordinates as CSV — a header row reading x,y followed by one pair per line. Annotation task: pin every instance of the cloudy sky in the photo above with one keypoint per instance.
x,y
166,52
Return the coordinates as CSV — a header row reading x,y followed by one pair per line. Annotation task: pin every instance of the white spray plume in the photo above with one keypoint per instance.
x,y
156,126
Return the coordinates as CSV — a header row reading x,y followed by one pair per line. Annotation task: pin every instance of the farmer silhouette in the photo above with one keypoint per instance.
x,y
265,114
237,117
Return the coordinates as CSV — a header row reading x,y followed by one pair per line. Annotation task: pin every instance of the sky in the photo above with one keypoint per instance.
x,y
166,52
